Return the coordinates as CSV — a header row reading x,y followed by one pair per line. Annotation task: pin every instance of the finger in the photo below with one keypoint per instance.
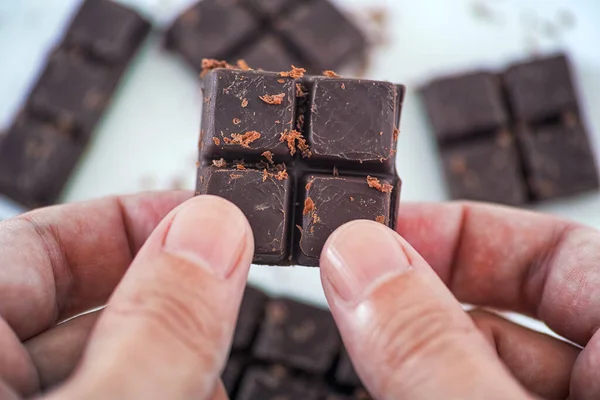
x,y
512,259
585,384
76,254
220,393
166,331
411,336
56,352
541,363
16,369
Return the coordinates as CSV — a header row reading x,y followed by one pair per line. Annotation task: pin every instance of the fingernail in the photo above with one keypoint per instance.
x,y
208,231
358,255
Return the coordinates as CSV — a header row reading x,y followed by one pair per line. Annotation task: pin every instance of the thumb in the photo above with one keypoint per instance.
x,y
407,335
166,331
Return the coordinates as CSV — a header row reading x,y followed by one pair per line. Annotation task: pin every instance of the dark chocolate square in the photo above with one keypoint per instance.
x,y
297,335
354,122
323,35
106,30
251,312
235,107
487,169
331,201
71,93
268,53
345,375
211,29
465,105
540,89
559,161
263,199
233,372
274,384
36,161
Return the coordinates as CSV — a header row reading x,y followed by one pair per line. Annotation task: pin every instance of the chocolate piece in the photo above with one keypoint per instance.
x,y
323,36
35,162
263,199
269,53
487,169
274,384
211,29
331,201
353,122
464,106
558,160
297,335
540,89
71,93
232,373
251,311
268,8
106,31
235,107
345,374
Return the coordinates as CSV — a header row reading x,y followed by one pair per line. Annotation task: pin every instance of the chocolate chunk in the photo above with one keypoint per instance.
x,y
345,375
559,161
466,105
486,169
251,312
35,162
331,201
541,89
274,384
71,93
268,53
297,335
106,31
263,199
323,36
233,372
211,29
236,94
353,121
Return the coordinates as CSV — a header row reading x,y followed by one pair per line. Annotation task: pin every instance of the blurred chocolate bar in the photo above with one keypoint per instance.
x,y
514,137
267,34
74,89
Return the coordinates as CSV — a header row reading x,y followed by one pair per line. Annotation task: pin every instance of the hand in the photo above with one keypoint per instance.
x,y
397,306
166,329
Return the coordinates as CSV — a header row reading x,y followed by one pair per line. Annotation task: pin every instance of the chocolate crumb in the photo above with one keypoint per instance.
x,y
300,122
396,134
300,90
243,140
237,121
294,73
375,184
208,64
244,103
265,175
216,141
295,139
309,206
273,99
380,219
335,171
240,167
380,133
243,65
331,74
351,198
343,86
220,163
268,155
316,219
281,175
281,80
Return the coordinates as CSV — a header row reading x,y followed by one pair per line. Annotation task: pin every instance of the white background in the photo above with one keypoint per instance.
x,y
148,138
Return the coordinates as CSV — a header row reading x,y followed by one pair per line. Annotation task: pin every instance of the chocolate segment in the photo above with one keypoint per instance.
x,y
269,50
233,373
275,384
297,335
251,312
331,201
345,375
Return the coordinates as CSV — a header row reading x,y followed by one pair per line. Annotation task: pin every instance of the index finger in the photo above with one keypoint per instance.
x,y
512,259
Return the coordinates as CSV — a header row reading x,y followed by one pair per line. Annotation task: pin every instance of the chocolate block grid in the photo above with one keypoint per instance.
x,y
268,34
514,137
49,136
297,354
293,152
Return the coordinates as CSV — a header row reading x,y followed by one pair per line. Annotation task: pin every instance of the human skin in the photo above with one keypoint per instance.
x,y
171,271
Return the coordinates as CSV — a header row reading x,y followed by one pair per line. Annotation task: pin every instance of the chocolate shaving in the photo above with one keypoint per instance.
x,y
240,167
235,176
268,155
216,141
331,74
309,206
375,184
265,174
237,121
220,163
380,219
281,80
294,73
309,184
281,175
316,219
244,103
295,140
208,64
273,99
300,90
243,140
396,134
243,65
300,122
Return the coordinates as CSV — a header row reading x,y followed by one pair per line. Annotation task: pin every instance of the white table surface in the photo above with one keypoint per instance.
x,y
148,138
